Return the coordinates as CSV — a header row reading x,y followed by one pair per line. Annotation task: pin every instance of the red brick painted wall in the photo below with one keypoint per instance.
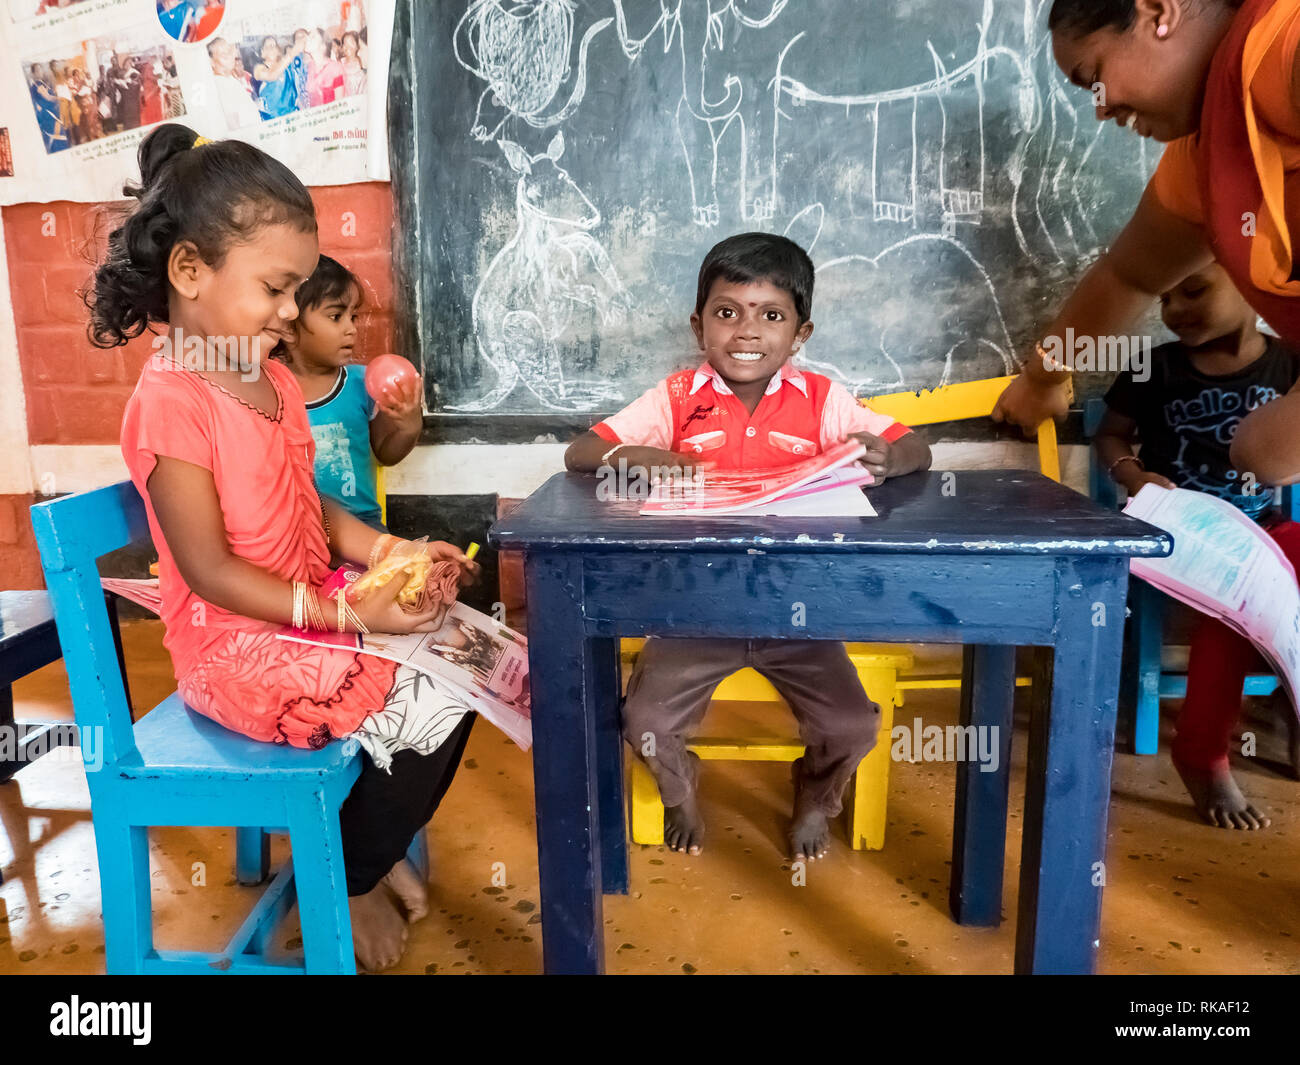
x,y
75,393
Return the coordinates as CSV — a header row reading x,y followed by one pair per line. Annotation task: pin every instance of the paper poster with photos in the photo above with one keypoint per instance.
x,y
304,80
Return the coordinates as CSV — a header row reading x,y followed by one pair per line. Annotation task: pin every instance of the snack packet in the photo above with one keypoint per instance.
x,y
424,584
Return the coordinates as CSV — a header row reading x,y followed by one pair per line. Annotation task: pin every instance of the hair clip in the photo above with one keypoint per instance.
x,y
199,142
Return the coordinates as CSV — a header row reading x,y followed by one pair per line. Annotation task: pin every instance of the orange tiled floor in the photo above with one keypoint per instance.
x,y
1181,897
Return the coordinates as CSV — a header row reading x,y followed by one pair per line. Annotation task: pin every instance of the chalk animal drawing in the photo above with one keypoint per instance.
x,y
521,49
875,321
703,120
896,190
526,301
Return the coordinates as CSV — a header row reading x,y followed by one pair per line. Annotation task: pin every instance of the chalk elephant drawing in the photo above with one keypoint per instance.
x,y
904,318
705,118
528,295
521,49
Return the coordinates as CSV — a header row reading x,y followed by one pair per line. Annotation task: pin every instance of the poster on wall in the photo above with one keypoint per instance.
x,y
86,80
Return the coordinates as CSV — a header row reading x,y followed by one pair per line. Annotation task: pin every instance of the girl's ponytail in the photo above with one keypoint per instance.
x,y
212,196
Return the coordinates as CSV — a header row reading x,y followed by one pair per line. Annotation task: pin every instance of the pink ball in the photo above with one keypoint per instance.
x,y
384,373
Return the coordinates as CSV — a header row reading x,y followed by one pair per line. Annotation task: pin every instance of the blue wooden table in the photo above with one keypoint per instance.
x,y
992,559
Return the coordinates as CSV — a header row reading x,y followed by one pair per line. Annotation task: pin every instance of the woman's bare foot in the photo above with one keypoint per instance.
x,y
378,931
411,890
1218,799
810,830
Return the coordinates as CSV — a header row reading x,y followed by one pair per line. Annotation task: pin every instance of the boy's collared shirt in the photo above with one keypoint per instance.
x,y
800,415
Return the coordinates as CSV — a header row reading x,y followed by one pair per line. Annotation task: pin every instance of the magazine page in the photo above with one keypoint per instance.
x,y
843,502
479,658
1224,565
729,491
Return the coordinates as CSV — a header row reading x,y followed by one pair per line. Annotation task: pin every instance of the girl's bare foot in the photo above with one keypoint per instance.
x,y
411,890
1218,799
378,931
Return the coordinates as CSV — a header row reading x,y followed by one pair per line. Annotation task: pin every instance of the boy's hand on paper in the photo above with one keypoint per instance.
x,y
440,550
657,461
879,459
1133,483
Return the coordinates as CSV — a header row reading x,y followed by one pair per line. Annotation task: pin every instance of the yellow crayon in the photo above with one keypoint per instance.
x,y
471,551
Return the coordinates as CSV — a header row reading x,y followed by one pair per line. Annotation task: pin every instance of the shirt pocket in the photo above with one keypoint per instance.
x,y
701,443
795,445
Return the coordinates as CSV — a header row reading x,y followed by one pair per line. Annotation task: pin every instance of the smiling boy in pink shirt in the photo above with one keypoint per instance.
x,y
746,407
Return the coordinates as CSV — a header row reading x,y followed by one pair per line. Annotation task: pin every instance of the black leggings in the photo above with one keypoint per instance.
x,y
384,811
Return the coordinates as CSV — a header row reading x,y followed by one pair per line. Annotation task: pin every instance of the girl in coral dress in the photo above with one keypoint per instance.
x,y
217,441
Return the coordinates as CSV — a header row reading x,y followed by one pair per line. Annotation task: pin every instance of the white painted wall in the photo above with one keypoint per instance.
x,y
510,470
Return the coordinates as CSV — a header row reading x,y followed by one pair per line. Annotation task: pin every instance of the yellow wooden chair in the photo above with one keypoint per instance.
x,y
882,668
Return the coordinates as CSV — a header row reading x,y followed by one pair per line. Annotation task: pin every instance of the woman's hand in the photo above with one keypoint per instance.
x,y
1028,403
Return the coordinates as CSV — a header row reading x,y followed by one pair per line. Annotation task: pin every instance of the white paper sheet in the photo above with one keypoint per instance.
x,y
1225,565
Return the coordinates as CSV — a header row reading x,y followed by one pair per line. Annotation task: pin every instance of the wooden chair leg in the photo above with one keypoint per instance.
x,y
321,883
1147,631
647,809
124,892
869,792
252,855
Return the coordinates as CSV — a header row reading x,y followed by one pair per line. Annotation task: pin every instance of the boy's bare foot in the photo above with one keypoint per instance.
x,y
378,931
684,826
810,831
411,890
1218,799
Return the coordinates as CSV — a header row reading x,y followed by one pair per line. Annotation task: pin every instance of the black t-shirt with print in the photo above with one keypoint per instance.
x,y
1186,420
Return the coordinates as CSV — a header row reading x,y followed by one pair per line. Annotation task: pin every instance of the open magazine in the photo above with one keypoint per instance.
x,y
483,661
831,477
1225,565
479,659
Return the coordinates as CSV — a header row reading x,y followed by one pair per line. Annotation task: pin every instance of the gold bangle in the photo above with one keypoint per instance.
x,y
1110,470
315,616
297,619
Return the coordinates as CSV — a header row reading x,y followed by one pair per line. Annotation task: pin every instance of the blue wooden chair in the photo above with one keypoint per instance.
x,y
176,767
1143,680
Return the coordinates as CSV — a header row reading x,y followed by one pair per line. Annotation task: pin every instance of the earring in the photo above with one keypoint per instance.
x,y
1162,31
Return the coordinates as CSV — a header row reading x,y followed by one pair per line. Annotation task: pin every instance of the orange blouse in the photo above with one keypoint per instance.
x,y
1273,122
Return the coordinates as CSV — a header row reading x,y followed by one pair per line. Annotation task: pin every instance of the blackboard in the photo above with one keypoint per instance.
x,y
562,167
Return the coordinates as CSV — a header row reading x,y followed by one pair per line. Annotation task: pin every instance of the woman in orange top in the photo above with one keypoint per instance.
x,y
1219,81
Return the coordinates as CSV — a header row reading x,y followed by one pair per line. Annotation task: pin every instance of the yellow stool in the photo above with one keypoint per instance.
x,y
878,667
